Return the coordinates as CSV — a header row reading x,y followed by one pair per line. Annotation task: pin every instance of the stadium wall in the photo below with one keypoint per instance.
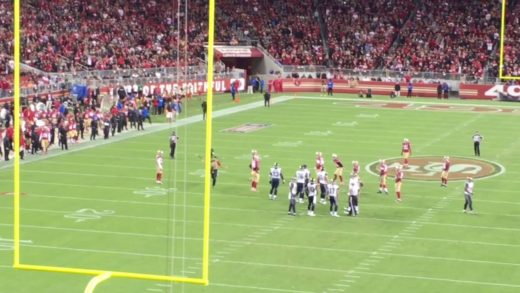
x,y
488,91
467,91
354,87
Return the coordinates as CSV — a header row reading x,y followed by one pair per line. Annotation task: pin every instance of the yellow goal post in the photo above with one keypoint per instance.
x,y
502,38
101,275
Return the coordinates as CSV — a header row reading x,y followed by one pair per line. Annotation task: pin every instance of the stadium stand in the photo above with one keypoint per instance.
x,y
454,36
86,37
363,41
289,30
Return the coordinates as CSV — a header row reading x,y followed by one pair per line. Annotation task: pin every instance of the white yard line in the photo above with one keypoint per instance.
x,y
376,101
300,267
257,288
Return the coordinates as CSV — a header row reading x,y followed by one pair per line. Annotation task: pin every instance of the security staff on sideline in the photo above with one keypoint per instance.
x,y
173,143
267,99
477,139
204,106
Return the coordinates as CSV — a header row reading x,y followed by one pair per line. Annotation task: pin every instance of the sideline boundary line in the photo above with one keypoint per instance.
x,y
157,127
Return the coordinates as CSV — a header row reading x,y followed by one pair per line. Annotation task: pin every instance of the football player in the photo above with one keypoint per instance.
x,y
275,175
323,182
301,177
406,151
311,187
159,165
399,175
255,169
333,190
383,172
339,169
320,162
292,197
445,171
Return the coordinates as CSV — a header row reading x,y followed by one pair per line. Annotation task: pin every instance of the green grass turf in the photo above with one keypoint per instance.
x,y
425,244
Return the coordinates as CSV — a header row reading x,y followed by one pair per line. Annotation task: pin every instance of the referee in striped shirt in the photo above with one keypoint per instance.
x,y
477,139
173,144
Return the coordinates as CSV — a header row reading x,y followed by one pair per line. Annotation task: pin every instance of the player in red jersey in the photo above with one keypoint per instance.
x,y
399,175
406,151
355,168
383,173
45,136
320,162
159,165
255,170
445,171
339,169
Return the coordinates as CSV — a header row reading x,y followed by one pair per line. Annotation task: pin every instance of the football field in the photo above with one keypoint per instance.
x,y
98,206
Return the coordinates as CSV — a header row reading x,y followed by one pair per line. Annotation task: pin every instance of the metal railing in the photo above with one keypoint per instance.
x,y
385,75
102,78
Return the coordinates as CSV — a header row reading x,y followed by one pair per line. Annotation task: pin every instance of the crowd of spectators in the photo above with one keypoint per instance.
x,y
448,37
289,30
362,40
49,122
404,35
115,35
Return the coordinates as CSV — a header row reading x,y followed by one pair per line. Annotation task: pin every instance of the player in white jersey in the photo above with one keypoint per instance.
x,y
354,191
292,197
468,195
301,176
333,190
307,178
323,182
275,175
159,165
313,191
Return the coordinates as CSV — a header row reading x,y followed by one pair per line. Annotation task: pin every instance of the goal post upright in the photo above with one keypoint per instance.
x,y
209,132
16,167
503,15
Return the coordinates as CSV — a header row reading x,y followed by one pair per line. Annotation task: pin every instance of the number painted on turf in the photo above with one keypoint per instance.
x,y
155,191
8,244
319,133
466,169
433,168
83,215
288,144
362,115
345,124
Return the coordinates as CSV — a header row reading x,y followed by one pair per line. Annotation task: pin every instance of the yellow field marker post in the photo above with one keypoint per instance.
x,y
209,134
16,232
502,38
